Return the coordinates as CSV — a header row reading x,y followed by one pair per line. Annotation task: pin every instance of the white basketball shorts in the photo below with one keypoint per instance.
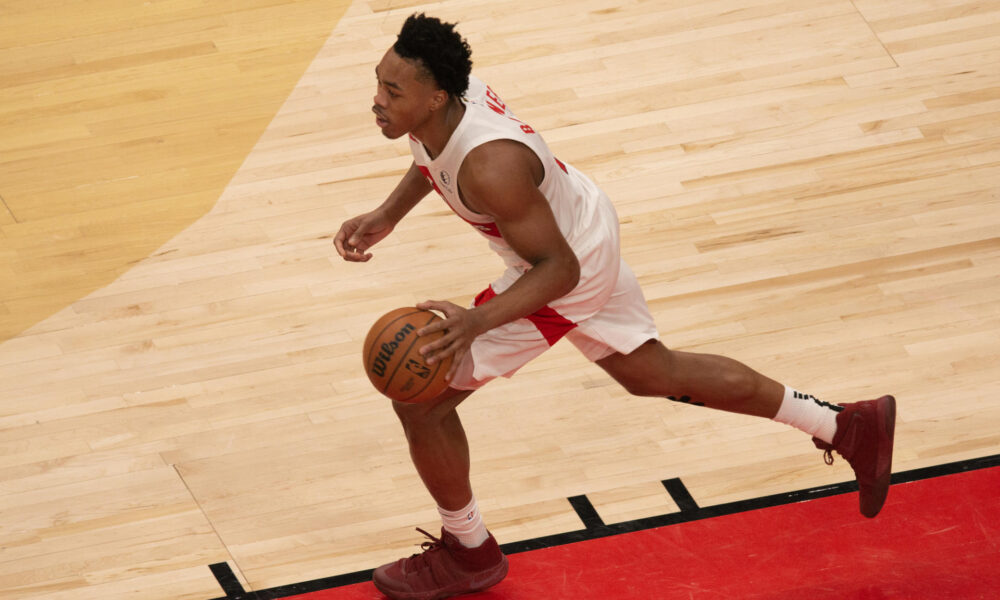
x,y
620,323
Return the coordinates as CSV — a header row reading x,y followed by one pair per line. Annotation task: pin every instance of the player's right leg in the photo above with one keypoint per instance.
x,y
438,446
466,558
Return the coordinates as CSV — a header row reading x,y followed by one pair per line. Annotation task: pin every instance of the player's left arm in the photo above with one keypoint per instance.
x,y
500,179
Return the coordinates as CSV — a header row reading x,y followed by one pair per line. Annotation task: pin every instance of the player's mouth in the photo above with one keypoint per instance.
x,y
380,120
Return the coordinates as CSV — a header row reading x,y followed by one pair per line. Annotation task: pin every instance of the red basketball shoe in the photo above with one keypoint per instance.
x,y
864,437
446,568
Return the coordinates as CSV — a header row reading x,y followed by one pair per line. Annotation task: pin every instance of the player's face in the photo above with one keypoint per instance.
x,y
403,99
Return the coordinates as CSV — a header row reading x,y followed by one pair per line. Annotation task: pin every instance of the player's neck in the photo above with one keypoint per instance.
x,y
439,127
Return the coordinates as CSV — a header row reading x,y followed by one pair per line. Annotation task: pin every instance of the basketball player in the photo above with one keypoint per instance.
x,y
557,233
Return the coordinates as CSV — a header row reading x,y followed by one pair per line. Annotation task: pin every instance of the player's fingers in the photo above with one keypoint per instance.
x,y
448,309
434,350
451,350
355,256
453,369
442,306
432,327
350,246
451,344
338,243
357,242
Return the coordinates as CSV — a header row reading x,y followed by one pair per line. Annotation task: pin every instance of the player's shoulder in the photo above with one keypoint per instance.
x,y
500,164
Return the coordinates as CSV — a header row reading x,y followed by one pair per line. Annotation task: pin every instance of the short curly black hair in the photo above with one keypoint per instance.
x,y
440,50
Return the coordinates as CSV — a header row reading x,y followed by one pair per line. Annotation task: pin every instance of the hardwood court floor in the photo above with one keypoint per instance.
x,y
809,187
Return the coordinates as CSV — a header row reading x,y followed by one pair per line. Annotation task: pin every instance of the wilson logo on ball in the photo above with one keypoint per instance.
x,y
384,356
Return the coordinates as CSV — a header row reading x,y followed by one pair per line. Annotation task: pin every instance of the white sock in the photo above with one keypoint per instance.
x,y
466,524
806,413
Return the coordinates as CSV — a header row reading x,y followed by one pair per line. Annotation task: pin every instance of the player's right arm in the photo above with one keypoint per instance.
x,y
359,234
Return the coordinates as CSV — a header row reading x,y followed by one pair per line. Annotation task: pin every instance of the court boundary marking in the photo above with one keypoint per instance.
x,y
595,528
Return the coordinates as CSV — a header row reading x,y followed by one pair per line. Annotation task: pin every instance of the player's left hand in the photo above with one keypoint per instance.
x,y
461,326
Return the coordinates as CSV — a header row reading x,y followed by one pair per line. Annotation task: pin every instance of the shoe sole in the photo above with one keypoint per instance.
x,y
885,418
479,583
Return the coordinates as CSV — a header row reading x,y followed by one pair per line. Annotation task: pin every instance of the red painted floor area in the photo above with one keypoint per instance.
x,y
937,538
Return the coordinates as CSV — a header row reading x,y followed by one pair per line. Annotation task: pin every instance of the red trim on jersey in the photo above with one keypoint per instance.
x,y
549,323
490,229
430,178
484,296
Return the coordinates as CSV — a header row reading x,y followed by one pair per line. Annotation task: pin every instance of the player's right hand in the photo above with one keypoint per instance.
x,y
359,234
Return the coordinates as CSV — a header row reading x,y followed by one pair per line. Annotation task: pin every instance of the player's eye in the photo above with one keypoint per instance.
x,y
388,90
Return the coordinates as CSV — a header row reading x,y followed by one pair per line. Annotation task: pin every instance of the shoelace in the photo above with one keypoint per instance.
x,y
420,559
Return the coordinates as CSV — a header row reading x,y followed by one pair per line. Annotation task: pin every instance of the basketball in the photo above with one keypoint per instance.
x,y
392,361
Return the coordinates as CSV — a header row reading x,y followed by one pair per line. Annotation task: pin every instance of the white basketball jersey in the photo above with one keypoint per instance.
x,y
582,211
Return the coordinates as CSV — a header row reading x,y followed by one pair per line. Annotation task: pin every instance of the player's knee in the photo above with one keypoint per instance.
x,y
645,372
639,386
415,419
647,384
431,413
412,414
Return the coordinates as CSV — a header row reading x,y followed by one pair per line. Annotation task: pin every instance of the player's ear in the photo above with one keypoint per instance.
x,y
439,99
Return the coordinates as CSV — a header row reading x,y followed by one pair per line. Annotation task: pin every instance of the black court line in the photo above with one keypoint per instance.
x,y
680,494
586,511
595,528
227,580
307,587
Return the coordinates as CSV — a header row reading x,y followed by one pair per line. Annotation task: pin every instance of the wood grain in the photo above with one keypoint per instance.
x,y
809,187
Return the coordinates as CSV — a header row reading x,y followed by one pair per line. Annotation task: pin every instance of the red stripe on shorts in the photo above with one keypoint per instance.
x,y
549,323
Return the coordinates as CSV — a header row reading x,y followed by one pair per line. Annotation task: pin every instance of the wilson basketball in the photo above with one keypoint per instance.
x,y
392,361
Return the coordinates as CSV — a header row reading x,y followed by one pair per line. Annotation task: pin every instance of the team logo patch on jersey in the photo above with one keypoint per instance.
x,y
445,178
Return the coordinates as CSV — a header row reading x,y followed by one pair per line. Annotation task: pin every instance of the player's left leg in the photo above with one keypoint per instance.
x,y
861,432
702,379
